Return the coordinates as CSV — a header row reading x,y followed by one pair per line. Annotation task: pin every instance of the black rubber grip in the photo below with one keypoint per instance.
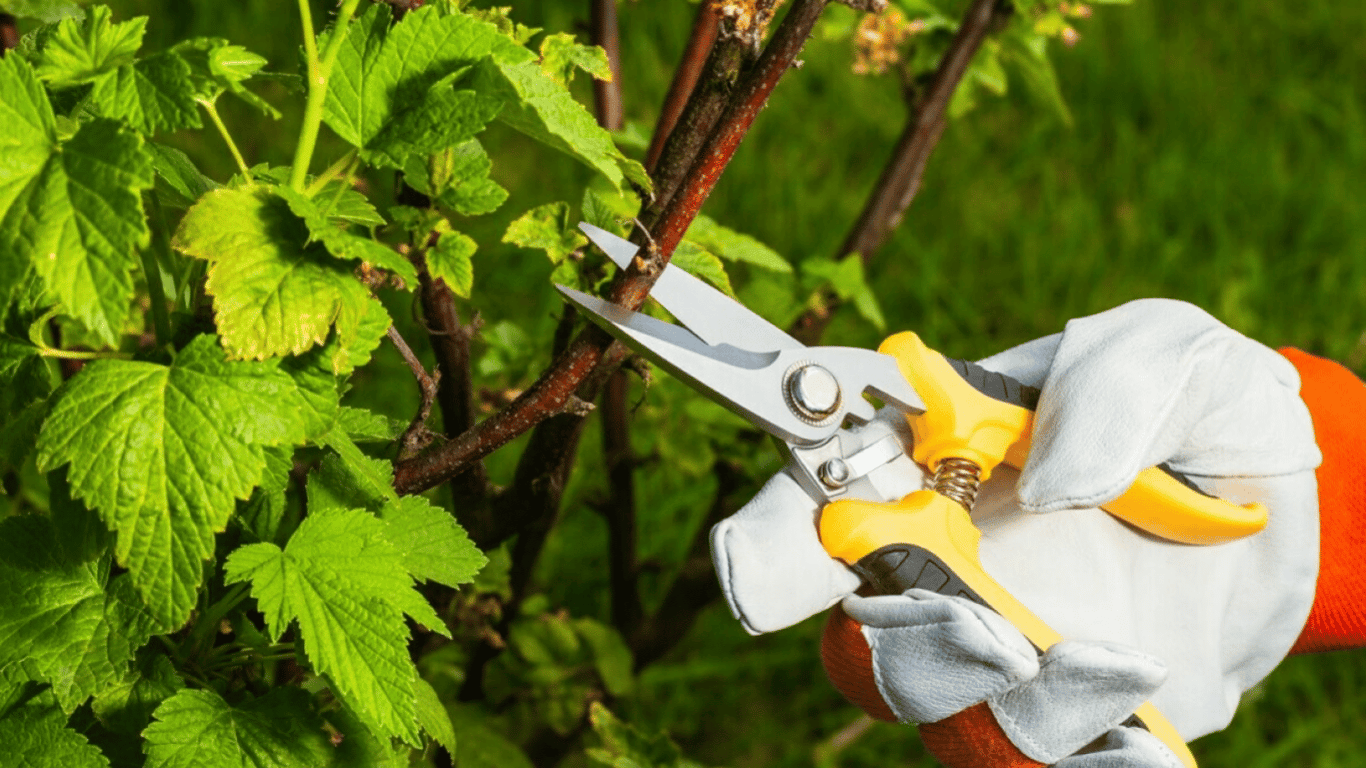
x,y
997,386
895,568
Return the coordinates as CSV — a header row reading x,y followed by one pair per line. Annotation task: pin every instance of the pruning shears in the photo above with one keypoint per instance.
x,y
963,422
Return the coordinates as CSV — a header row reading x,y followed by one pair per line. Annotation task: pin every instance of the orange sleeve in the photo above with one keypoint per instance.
x,y
969,739
1337,405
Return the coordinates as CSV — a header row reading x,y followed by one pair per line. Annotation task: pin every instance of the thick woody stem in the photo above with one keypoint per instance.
x,y
450,340
901,177
579,365
685,79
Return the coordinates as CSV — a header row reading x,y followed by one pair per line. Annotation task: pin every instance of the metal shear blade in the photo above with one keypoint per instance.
x,y
707,312
800,394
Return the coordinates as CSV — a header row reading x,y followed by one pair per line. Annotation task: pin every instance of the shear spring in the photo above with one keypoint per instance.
x,y
958,479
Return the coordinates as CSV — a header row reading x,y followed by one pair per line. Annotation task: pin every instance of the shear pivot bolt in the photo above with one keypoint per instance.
x,y
813,392
834,473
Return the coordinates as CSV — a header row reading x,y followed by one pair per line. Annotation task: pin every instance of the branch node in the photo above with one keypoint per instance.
x,y
577,406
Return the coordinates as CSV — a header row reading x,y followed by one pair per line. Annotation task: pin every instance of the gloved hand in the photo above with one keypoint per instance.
x,y
1187,627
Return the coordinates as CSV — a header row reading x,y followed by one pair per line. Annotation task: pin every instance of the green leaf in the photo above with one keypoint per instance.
x,y
338,485
72,209
373,477
152,95
24,386
1027,53
390,94
431,714
80,51
274,292
127,707
178,181
343,244
34,736
546,227
433,545
364,425
543,109
478,746
314,376
694,259
735,246
73,627
198,728
561,55
611,655
451,261
178,465
263,514
501,17
847,279
626,747
46,11
343,582
463,184
216,66
355,342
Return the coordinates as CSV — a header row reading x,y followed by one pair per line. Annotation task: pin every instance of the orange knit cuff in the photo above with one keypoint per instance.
x,y
1337,405
969,739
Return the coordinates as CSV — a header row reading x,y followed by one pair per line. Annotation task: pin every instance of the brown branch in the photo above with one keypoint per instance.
x,y
708,100
417,436
901,177
580,363
9,33
450,340
607,93
620,510
750,96
685,79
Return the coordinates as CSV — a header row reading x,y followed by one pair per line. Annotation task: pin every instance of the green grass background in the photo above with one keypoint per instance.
x,y
1217,155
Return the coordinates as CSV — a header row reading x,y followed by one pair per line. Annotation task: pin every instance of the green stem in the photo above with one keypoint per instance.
x,y
208,623
331,173
161,320
347,180
319,70
248,658
212,109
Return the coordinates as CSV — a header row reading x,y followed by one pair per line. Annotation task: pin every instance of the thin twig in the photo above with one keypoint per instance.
x,y
417,436
592,355
901,177
607,93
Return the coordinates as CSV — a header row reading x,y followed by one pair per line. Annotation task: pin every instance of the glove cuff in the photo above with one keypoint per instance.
x,y
1337,406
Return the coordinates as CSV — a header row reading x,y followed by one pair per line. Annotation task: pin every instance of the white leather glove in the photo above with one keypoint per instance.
x,y
1149,382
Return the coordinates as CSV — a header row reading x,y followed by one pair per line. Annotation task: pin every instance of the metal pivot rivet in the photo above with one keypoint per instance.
x,y
813,393
834,473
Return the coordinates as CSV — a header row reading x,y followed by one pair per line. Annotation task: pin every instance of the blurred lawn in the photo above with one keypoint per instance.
x,y
1218,156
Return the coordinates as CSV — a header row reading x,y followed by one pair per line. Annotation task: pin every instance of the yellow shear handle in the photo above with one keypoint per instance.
x,y
853,530
961,422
